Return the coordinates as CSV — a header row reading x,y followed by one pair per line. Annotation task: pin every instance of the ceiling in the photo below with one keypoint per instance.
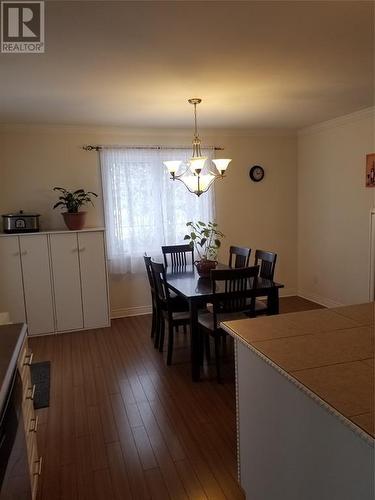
x,y
258,64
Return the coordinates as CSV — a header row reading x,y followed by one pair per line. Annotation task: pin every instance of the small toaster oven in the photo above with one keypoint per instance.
x,y
21,222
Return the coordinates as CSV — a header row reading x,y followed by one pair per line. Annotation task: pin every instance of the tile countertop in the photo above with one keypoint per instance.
x,y
329,351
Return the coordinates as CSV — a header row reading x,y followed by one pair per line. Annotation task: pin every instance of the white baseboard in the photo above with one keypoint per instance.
x,y
323,301
288,292
124,312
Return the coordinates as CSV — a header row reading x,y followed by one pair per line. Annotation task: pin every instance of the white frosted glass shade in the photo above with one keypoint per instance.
x,y
172,165
198,183
221,164
197,163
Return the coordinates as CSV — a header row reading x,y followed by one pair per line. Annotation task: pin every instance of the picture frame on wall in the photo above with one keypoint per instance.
x,y
370,170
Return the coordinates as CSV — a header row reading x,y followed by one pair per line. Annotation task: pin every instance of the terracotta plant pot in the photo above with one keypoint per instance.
x,y
204,267
75,221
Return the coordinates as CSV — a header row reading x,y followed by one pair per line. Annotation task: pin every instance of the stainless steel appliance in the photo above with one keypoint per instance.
x,y
14,468
21,222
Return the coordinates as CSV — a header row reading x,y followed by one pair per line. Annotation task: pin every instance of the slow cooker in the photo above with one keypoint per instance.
x,y
21,222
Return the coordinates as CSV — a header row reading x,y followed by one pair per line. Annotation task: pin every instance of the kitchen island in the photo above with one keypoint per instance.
x,y
305,404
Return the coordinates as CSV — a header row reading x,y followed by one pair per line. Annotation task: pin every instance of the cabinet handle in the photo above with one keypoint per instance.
x,y
32,394
35,427
75,250
82,249
39,469
28,357
24,252
16,254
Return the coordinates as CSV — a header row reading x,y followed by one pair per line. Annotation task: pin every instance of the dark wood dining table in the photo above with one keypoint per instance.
x,y
197,291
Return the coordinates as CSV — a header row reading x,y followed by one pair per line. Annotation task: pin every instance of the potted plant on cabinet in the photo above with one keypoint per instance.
x,y
206,239
73,201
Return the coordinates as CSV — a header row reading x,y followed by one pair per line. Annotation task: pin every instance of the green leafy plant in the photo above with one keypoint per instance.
x,y
206,238
73,200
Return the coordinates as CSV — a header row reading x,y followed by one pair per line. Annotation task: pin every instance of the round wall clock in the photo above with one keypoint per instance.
x,y
256,173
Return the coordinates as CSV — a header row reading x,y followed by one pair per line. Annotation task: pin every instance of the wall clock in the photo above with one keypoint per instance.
x,y
256,173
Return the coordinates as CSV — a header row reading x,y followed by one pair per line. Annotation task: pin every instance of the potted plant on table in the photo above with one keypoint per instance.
x,y
73,201
206,239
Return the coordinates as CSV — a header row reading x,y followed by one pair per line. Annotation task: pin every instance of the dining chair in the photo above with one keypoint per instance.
x,y
267,263
239,256
147,261
231,291
165,310
179,255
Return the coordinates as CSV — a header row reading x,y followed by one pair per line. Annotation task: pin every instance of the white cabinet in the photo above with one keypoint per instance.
x,y
56,281
93,279
37,284
66,281
11,286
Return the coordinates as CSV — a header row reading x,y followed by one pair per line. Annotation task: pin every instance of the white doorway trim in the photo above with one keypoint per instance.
x,y
372,256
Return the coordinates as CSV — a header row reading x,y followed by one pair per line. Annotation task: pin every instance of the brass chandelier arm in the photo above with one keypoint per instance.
x,y
199,191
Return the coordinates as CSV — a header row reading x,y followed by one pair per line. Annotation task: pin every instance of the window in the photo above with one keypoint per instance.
x,y
144,209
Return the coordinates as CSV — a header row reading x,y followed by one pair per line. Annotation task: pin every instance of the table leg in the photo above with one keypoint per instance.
x,y
273,301
194,336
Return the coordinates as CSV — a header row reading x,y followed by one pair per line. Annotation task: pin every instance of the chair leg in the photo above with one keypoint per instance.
x,y
170,343
217,357
202,336
158,319
207,348
162,333
153,323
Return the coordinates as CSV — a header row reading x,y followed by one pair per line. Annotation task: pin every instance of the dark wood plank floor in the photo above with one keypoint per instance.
x,y
122,425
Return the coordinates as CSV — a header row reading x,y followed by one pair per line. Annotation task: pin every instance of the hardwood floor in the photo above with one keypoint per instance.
x,y
122,425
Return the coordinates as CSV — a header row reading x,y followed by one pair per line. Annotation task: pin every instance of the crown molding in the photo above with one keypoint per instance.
x,y
339,121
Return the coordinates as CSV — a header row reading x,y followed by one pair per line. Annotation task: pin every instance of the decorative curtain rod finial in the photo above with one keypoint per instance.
x,y
91,148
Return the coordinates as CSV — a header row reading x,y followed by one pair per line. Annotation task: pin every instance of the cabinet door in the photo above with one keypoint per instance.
x,y
66,281
37,284
93,279
11,287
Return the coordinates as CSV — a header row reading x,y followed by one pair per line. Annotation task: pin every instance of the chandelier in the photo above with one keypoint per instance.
x,y
196,179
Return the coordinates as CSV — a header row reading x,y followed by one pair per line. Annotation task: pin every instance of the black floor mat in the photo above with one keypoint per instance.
x,y
40,376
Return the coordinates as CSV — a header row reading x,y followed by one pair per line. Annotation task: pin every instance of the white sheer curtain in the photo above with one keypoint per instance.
x,y
144,209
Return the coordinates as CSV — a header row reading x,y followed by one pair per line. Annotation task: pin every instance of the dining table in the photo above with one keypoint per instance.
x,y
185,282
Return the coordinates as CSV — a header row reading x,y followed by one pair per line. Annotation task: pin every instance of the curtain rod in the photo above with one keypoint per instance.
x,y
98,147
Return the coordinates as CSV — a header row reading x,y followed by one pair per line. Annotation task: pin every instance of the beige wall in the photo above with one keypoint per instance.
x,y
334,209
263,215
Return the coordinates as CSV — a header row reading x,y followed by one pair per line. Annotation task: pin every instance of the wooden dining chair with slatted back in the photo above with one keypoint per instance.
x,y
179,255
165,310
150,277
231,291
239,257
267,263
